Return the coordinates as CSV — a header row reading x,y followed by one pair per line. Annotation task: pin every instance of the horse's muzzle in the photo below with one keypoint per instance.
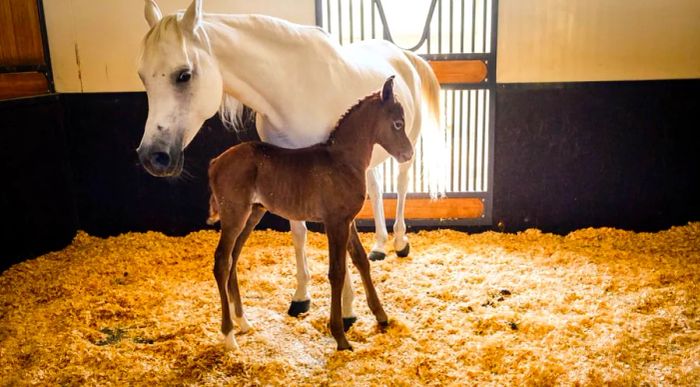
x,y
161,163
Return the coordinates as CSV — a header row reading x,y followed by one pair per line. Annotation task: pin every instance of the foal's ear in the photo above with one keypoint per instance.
x,y
388,90
193,16
152,13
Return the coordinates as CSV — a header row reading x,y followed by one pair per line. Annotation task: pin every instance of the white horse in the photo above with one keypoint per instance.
x,y
195,64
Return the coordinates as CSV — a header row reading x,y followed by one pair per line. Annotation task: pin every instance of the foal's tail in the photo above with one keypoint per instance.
x,y
435,154
213,204
213,210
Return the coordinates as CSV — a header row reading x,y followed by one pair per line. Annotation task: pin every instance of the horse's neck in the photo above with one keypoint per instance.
x,y
260,59
352,141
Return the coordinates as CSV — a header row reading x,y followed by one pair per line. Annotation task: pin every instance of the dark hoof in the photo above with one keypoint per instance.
x,y
298,307
376,256
347,322
345,348
384,324
403,253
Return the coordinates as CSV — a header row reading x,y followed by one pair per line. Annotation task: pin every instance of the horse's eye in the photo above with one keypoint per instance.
x,y
398,124
184,76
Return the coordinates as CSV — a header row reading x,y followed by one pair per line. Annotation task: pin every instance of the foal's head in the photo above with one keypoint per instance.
x,y
390,126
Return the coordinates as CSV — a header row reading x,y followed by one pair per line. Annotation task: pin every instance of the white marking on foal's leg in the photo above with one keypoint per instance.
x,y
400,238
303,276
348,296
374,189
243,324
230,342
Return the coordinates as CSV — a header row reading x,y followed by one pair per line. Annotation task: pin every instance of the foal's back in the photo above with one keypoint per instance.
x,y
298,184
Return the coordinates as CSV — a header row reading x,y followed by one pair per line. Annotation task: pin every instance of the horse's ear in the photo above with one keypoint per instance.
x,y
193,16
388,90
152,13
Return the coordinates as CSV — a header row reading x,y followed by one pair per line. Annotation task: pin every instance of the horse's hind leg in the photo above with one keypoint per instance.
x,y
256,214
374,189
231,225
359,258
401,244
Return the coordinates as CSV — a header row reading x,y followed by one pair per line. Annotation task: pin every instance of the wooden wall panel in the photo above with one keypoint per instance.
x,y
459,71
424,208
13,85
20,33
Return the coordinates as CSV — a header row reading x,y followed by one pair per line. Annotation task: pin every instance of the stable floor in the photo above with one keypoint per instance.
x,y
593,307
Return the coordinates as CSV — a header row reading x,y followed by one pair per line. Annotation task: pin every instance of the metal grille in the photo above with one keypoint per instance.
x,y
438,30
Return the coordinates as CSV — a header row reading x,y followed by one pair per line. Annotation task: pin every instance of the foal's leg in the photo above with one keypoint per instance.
x,y
337,243
231,225
359,258
301,299
401,244
374,189
234,293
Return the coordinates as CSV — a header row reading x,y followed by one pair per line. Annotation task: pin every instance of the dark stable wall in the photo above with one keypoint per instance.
x,y
567,156
37,209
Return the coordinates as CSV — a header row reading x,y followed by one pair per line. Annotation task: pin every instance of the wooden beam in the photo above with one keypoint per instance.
x,y
459,71
13,85
423,208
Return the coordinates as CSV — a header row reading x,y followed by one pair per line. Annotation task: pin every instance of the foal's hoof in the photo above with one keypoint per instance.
x,y
347,322
403,253
383,325
376,256
346,347
298,307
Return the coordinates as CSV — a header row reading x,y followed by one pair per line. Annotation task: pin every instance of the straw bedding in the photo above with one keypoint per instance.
x,y
597,306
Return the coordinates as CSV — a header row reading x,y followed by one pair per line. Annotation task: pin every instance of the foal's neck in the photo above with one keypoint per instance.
x,y
353,139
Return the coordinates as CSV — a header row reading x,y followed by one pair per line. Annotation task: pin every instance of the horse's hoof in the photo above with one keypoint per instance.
x,y
403,253
376,256
347,322
383,324
298,307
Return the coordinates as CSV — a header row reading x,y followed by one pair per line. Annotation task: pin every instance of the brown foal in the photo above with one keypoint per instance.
x,y
253,177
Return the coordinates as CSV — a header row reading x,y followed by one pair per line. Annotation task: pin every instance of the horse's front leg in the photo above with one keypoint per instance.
x,y
337,243
401,244
256,214
301,300
232,222
374,189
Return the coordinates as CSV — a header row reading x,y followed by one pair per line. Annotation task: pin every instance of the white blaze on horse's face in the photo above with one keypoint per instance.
x,y
183,84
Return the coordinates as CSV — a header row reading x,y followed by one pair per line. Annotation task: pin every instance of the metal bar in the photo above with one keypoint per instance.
x,y
362,19
318,5
374,33
461,128
452,146
439,25
484,27
352,38
340,22
452,5
461,44
473,26
387,31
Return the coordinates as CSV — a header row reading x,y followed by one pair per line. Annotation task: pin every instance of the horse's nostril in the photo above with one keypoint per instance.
x,y
160,159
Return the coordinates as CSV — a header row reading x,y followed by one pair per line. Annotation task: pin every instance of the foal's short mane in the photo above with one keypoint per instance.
x,y
345,115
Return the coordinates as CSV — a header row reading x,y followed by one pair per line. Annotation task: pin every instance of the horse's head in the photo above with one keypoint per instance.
x,y
391,128
183,84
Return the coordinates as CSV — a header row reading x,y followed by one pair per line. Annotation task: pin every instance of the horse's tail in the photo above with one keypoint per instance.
x,y
213,203
435,155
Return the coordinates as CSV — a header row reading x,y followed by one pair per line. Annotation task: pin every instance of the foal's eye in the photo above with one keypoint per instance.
x,y
398,124
184,76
